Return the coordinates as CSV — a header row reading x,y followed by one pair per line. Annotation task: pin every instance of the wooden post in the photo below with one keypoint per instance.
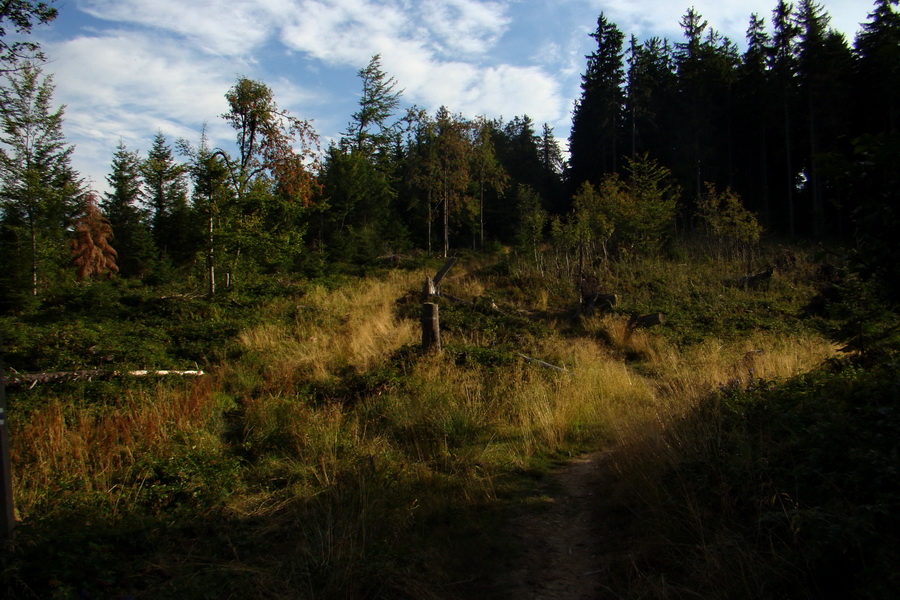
x,y
7,512
431,331
428,290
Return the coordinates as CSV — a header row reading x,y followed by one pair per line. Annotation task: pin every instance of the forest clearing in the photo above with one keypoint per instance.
x,y
325,455
443,358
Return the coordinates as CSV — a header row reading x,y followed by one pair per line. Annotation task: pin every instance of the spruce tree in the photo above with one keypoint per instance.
x,y
755,117
128,219
823,68
877,82
783,64
38,186
164,188
369,131
596,121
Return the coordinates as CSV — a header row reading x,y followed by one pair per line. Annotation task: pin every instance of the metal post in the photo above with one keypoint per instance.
x,y
6,496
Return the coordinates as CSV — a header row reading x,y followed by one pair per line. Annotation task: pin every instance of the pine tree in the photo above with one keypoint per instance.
x,y
489,174
164,188
369,131
782,63
122,206
39,186
596,121
92,253
212,196
878,69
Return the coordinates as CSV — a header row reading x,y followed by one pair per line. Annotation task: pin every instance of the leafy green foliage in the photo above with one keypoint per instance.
x,y
735,230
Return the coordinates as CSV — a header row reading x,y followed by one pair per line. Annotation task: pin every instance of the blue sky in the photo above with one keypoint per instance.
x,y
126,69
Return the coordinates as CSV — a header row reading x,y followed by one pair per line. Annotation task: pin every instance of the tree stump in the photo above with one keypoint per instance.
x,y
431,331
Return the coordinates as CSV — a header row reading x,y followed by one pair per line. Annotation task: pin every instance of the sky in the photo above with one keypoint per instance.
x,y
126,69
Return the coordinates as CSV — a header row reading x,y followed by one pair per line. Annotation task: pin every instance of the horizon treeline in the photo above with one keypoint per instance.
x,y
798,131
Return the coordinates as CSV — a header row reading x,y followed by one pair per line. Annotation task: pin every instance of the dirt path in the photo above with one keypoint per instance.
x,y
565,539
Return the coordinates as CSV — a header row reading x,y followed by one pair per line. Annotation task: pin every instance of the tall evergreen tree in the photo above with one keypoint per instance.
x,y
651,99
128,219
878,69
596,121
706,64
165,187
369,131
783,64
518,150
358,177
212,197
754,115
39,186
824,61
553,166
490,176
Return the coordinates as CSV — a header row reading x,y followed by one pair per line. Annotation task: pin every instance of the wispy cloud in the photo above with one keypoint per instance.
x,y
126,86
464,26
221,27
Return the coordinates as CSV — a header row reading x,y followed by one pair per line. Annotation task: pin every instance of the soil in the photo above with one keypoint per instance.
x,y
569,535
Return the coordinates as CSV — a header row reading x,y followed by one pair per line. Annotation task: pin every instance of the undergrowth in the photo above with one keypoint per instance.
x,y
323,455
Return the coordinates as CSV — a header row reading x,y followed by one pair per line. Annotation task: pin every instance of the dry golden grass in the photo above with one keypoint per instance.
x,y
352,327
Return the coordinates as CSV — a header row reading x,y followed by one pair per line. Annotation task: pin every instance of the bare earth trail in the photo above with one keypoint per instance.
x,y
570,539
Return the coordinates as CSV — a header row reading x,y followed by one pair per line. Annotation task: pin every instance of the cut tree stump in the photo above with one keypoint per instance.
x,y
431,330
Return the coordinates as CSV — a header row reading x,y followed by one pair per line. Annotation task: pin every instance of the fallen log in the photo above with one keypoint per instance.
x,y
541,363
752,281
650,320
90,375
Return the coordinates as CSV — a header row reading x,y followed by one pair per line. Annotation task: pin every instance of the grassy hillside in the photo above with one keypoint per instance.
x,y
324,456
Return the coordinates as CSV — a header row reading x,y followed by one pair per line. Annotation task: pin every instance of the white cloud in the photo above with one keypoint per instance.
x,y
126,86
465,26
219,26
431,51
